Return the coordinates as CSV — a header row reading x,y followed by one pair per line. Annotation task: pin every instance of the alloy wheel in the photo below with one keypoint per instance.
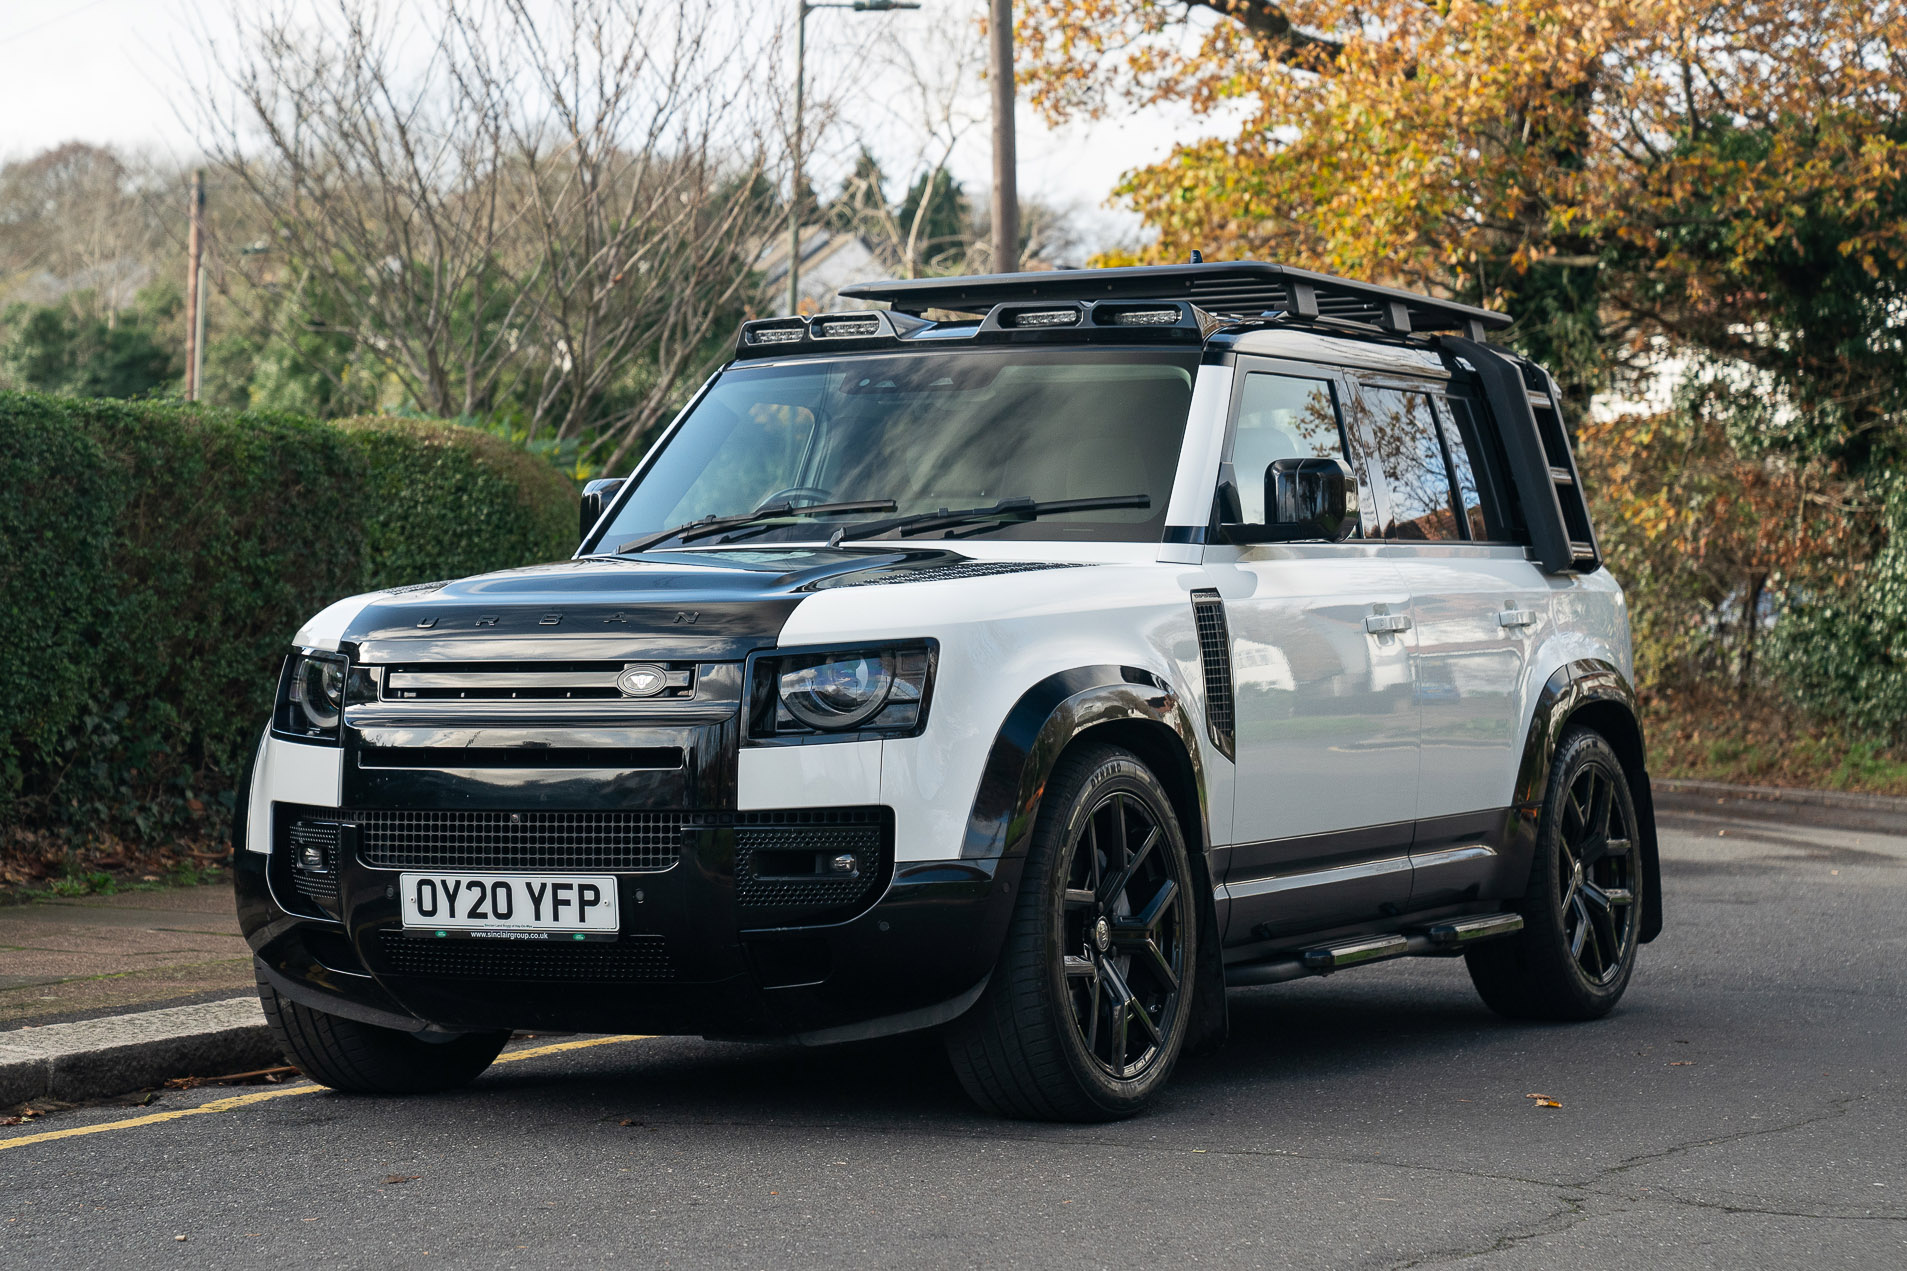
x,y
1122,935
1597,868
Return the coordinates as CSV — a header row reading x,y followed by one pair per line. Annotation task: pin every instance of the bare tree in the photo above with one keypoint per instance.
x,y
79,219
545,207
935,65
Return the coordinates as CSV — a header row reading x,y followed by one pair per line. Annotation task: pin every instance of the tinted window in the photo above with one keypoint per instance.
x,y
1406,450
1464,467
929,430
1280,417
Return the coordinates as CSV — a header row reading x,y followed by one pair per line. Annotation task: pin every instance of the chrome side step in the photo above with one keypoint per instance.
x,y
1439,940
1450,935
1331,957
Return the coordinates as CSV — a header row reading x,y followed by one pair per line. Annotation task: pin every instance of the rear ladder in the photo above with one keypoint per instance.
x,y
1527,408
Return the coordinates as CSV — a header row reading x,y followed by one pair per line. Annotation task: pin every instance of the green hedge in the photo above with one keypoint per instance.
x,y
155,560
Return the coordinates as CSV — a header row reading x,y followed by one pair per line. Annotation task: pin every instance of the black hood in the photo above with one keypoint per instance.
x,y
673,605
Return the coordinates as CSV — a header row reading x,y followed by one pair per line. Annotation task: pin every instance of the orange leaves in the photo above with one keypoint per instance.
x,y
1396,138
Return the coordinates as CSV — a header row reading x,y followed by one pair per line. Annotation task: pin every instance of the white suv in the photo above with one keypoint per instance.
x,y
1030,660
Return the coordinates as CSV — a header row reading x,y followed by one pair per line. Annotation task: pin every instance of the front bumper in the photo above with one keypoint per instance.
x,y
695,952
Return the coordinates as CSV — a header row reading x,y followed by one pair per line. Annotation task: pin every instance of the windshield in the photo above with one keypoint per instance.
x,y
928,431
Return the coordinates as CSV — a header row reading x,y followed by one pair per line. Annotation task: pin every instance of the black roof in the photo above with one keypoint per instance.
x,y
1244,289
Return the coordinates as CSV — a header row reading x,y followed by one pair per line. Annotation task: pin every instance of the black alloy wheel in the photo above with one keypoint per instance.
x,y
1596,874
1126,958
1582,910
1089,1004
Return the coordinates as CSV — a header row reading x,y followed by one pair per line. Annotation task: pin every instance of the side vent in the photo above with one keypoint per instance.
x,y
1215,652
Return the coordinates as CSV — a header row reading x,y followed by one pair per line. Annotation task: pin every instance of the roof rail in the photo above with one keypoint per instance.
x,y
1242,289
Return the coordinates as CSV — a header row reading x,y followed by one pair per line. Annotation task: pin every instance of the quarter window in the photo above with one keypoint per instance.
x,y
1406,449
1280,417
1457,440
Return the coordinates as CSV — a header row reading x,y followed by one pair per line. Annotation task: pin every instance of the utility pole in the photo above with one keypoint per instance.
x,y
801,58
195,290
1006,195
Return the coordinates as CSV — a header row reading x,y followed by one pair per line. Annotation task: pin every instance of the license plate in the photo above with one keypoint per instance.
x,y
509,902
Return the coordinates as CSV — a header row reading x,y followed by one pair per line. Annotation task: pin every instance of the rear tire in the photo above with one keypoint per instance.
x,y
1089,1004
1582,911
360,1058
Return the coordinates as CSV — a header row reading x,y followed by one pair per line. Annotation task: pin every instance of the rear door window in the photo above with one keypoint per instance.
x,y
1403,442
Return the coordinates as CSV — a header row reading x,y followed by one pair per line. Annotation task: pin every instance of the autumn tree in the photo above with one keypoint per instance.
x,y
1601,168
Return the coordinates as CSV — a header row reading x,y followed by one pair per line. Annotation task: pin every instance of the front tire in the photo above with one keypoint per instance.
x,y
1088,1007
1582,912
360,1058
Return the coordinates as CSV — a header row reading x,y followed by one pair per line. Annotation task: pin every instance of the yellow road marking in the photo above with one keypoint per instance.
x,y
242,1100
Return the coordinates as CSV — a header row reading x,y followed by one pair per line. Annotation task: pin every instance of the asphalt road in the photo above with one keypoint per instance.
x,y
1745,1107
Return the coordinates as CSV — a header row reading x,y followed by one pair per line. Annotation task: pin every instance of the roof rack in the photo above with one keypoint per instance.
x,y
1243,290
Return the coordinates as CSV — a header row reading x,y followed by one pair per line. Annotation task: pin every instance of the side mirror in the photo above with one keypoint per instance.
x,y
1305,499
1311,498
596,496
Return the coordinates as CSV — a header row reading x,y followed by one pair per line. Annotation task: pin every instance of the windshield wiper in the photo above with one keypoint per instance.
x,y
689,531
1015,509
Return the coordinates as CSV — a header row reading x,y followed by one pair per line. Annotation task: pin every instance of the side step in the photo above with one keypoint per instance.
x,y
1440,939
1452,935
1370,949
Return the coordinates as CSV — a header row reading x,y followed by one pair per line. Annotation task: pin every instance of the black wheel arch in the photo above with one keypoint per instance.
x,y
1122,706
1592,693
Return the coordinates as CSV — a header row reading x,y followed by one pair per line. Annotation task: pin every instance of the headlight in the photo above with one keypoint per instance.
x,y
838,692
314,692
838,695
317,689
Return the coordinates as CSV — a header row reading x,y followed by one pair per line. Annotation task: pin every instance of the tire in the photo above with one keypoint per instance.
x,y
1582,912
1090,1002
359,1058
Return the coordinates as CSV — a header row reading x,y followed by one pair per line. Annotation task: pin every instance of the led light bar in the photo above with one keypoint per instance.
x,y
857,327
775,335
1046,318
1145,317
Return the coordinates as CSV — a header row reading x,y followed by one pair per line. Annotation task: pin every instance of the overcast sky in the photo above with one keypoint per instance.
x,y
109,71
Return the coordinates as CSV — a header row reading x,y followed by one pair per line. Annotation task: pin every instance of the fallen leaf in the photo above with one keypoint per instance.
x,y
1544,1101
1681,1063
268,1074
401,1178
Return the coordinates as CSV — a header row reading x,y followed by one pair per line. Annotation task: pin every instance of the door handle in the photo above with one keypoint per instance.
x,y
1386,623
1516,617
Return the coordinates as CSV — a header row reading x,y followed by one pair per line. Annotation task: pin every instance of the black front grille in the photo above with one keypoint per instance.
x,y
1215,651
785,860
630,958
519,840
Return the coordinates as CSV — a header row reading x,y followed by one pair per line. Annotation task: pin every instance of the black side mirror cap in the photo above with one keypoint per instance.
x,y
1306,500
597,495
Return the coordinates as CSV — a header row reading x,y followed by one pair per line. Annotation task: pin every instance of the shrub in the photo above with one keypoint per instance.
x,y
158,558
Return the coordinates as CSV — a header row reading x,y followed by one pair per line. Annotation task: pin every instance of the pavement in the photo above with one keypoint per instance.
x,y
1744,1107
67,959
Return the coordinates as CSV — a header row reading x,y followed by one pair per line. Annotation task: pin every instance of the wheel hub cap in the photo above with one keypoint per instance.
x,y
1102,935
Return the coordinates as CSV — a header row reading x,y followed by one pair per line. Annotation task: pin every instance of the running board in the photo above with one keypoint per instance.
x,y
1333,957
1440,939
1451,935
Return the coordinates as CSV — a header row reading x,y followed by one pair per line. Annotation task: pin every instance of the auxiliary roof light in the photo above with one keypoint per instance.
x,y
1145,317
775,335
856,327
1046,318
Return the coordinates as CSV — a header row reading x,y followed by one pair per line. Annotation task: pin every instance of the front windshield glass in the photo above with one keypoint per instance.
x,y
929,431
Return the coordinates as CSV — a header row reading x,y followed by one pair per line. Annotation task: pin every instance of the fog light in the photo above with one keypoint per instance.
x,y
845,864
311,858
